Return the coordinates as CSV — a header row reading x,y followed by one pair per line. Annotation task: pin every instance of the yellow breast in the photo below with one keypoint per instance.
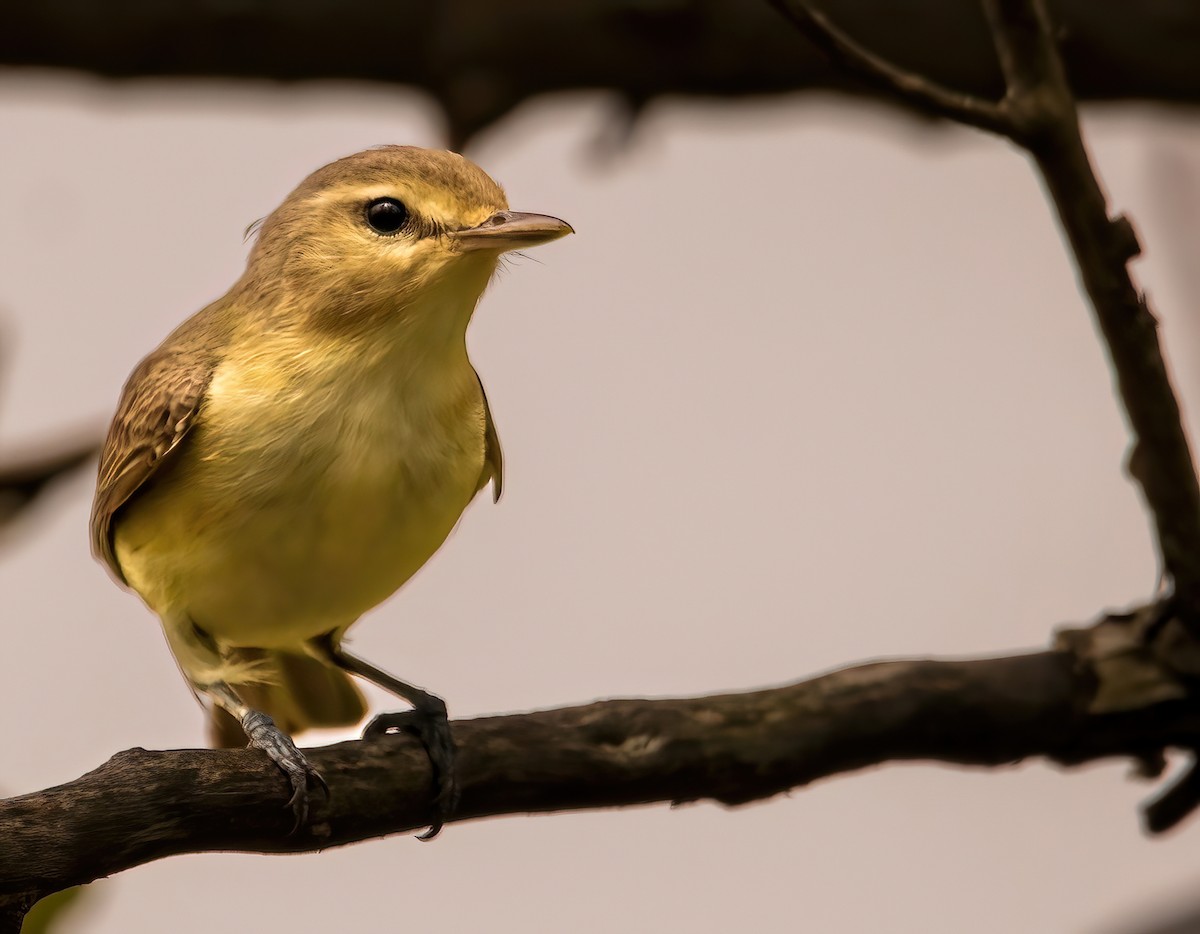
x,y
317,480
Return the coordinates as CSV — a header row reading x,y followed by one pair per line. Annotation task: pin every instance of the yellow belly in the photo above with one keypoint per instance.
x,y
296,505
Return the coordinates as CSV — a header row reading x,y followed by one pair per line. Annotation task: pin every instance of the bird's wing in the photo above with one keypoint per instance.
x,y
493,457
158,407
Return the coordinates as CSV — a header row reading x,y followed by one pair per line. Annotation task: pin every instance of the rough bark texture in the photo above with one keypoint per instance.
x,y
730,748
481,59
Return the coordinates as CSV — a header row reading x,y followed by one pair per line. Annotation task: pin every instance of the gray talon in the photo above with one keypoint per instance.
x,y
265,735
432,728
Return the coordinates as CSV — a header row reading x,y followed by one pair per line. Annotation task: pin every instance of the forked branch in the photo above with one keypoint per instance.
x,y
1038,113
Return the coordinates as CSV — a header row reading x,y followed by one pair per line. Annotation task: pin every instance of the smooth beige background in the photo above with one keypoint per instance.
x,y
812,385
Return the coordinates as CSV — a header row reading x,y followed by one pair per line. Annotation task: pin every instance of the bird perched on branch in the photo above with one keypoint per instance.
x,y
291,455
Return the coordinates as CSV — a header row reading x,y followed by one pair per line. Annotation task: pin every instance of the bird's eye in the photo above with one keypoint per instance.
x,y
386,215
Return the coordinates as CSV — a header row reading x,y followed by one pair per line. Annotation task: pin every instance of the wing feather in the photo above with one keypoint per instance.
x,y
493,457
158,408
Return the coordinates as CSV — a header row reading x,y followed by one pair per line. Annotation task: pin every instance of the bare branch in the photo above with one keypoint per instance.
x,y
1047,124
22,482
1038,112
919,92
1071,705
480,59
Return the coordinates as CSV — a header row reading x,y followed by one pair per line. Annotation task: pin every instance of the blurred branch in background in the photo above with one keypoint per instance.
x,y
480,60
23,479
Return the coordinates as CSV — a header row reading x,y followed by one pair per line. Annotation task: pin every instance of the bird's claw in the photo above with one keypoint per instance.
x,y
265,735
432,727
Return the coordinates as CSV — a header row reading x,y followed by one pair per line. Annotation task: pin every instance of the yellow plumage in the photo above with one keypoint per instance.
x,y
294,452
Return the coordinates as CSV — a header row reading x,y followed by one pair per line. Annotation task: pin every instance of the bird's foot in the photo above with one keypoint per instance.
x,y
431,726
265,735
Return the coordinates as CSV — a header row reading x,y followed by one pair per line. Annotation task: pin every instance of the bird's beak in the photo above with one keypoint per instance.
x,y
511,230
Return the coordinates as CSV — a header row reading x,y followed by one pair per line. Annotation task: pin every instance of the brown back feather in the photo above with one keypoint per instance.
x,y
158,407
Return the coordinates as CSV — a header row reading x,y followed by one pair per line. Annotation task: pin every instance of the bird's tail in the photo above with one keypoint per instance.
x,y
303,692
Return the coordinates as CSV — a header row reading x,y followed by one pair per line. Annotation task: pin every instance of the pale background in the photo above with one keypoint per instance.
x,y
812,385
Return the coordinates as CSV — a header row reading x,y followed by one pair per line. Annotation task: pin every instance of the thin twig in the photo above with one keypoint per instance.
x,y
918,91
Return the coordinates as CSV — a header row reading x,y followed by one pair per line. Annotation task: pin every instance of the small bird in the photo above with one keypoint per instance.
x,y
294,452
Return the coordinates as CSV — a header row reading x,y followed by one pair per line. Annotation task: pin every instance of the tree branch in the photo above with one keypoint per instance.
x,y
1038,113
22,482
732,748
1047,124
480,59
920,93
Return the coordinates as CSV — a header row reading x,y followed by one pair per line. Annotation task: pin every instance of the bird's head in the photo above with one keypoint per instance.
x,y
395,233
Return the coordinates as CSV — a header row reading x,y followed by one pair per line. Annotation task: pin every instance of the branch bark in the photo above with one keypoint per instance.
x,y
731,748
480,60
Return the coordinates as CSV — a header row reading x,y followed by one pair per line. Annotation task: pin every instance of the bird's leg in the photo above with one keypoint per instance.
x,y
265,735
427,721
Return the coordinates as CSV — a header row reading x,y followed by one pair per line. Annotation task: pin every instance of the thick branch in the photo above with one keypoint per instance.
x,y
481,59
732,748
